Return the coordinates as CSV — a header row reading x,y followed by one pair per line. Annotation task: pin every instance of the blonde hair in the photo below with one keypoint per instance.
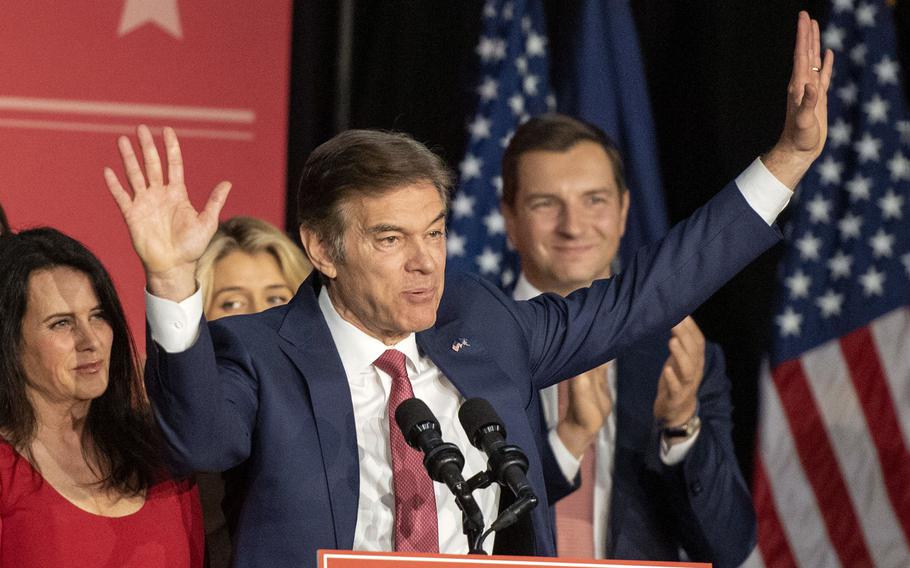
x,y
251,235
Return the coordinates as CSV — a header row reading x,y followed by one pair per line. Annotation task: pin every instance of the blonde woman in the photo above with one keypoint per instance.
x,y
249,266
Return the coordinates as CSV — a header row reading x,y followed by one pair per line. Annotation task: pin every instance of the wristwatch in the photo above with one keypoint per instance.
x,y
687,430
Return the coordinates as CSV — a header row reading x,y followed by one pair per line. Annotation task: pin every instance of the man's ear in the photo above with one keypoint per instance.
x,y
317,250
624,214
508,215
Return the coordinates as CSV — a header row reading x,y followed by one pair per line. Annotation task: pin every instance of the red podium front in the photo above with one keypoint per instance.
x,y
350,559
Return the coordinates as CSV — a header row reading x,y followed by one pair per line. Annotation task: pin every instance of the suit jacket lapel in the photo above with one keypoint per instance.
x,y
313,352
468,365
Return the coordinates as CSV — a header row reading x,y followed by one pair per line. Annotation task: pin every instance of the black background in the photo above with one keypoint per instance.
x,y
717,72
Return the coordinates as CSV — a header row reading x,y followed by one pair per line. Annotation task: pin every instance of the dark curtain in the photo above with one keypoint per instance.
x,y
717,72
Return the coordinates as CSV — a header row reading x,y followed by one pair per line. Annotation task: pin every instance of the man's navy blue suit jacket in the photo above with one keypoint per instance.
x,y
702,504
270,390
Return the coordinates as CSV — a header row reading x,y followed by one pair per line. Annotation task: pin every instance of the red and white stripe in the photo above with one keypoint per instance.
x,y
832,473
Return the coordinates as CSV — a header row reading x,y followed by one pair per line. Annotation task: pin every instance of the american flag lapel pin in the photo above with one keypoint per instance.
x,y
459,343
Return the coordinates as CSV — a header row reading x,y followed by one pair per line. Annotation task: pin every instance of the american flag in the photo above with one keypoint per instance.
x,y
832,475
513,86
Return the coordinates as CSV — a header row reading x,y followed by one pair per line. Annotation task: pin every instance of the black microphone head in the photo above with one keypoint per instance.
x,y
412,417
475,415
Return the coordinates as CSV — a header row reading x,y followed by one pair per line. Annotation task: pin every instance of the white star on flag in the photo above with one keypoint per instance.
x,y
495,223
833,38
497,184
903,127
819,209
867,148
848,94
480,128
849,226
830,303
798,284
858,54
491,49
839,133
839,265
521,63
882,243
859,187
891,205
462,206
808,246
488,90
899,166
843,5
470,167
865,14
517,104
455,244
789,322
906,260
162,13
488,261
526,24
508,11
536,45
529,84
886,71
877,109
830,170
873,282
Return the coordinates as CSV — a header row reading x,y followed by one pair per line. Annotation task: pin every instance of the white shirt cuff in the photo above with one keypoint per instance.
x,y
568,463
174,325
672,455
764,192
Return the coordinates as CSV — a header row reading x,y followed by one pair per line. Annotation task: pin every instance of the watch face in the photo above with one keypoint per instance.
x,y
683,431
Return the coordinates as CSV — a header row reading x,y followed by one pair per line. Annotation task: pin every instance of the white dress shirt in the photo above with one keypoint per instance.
x,y
175,328
605,443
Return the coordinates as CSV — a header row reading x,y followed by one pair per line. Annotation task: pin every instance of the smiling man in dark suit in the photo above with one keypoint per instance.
x,y
638,451
303,393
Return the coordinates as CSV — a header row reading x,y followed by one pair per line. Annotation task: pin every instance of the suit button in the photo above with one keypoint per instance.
x,y
695,487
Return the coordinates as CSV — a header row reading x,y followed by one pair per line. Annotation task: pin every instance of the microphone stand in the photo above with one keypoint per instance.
x,y
525,500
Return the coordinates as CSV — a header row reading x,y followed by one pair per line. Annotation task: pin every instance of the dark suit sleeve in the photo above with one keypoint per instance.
x,y
206,407
557,484
663,283
710,502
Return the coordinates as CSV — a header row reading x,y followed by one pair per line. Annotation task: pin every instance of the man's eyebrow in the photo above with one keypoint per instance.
x,y
384,228
554,195
388,228
440,217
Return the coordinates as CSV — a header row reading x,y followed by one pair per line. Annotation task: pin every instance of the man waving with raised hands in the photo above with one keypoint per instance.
x,y
303,393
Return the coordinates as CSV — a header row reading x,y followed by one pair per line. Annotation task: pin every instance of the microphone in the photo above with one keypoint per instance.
x,y
508,464
443,460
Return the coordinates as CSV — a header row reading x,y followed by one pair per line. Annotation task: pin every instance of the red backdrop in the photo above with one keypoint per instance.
x,y
75,75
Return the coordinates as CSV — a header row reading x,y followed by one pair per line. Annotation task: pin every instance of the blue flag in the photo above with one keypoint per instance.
x,y
601,80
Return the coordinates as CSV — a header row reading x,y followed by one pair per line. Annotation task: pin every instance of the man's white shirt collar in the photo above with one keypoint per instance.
x,y
358,350
524,290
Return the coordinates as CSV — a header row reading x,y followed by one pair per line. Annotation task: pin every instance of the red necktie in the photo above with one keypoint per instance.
x,y
575,513
416,525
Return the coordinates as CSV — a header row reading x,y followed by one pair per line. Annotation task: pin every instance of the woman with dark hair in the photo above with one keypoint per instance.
x,y
82,477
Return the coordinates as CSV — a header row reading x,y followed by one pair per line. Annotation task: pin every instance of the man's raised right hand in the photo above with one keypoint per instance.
x,y
167,232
